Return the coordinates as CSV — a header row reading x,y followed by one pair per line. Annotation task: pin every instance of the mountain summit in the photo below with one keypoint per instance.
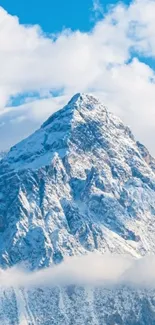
x,y
80,183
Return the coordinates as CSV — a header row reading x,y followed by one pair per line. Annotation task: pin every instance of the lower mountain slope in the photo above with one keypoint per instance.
x,y
75,305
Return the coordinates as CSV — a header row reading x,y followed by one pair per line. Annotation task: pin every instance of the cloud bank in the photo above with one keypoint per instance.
x,y
114,60
93,269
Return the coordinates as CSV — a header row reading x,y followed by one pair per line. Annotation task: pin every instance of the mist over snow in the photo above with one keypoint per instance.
x,y
92,269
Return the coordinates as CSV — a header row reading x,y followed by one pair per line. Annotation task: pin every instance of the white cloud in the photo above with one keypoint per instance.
x,y
106,61
97,8
18,122
104,270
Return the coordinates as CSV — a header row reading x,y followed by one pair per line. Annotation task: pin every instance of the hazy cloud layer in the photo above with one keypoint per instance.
x,y
93,269
115,61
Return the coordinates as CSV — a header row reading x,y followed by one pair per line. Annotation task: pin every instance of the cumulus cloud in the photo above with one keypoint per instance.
x,y
97,8
92,269
18,122
111,61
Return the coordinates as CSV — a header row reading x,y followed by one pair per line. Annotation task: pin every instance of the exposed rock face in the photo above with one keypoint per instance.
x,y
80,183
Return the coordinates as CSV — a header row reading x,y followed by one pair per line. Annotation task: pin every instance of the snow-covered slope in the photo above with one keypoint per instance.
x,y
77,306
80,183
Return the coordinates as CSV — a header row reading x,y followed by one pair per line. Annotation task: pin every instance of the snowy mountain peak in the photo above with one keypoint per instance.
x,y
78,103
80,183
84,113
84,98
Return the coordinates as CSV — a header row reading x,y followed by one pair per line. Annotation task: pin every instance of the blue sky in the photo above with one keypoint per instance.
x,y
54,15
49,50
